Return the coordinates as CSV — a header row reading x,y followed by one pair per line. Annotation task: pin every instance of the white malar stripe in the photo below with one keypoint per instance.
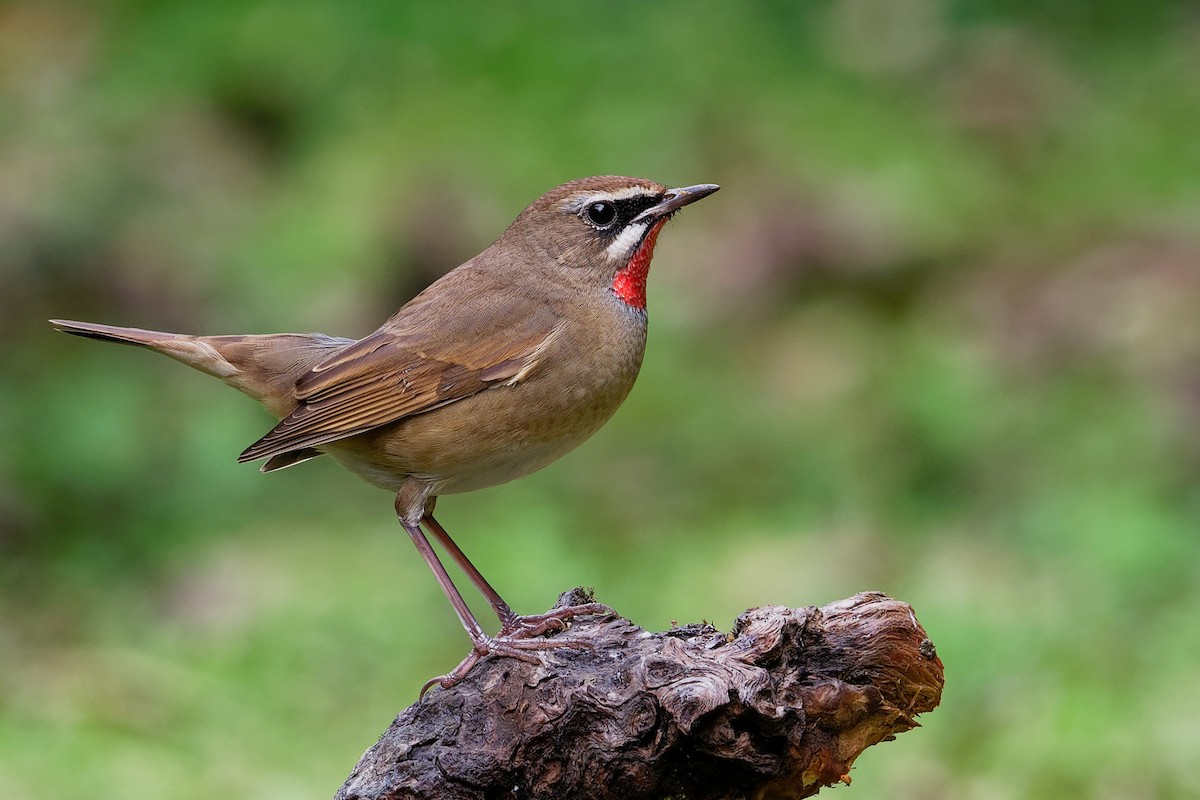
x,y
622,247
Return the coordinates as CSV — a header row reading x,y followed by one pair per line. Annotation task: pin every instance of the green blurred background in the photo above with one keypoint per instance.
x,y
938,335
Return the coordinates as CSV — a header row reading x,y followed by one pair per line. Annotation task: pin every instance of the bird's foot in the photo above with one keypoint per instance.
x,y
556,619
518,637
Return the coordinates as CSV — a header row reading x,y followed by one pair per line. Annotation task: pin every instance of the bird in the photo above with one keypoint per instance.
x,y
493,371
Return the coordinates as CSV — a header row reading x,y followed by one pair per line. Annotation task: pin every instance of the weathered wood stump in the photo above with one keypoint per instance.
x,y
775,710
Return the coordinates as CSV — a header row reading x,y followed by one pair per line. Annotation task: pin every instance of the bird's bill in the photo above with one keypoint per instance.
x,y
676,199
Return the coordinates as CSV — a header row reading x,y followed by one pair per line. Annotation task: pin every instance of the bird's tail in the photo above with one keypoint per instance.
x,y
264,366
191,350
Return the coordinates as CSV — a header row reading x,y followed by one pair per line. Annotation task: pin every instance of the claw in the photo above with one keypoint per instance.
x,y
526,627
537,624
520,635
453,676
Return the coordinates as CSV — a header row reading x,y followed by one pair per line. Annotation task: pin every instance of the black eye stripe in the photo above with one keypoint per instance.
x,y
630,207
627,208
623,209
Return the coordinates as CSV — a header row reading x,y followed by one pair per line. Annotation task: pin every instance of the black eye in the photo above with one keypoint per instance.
x,y
601,214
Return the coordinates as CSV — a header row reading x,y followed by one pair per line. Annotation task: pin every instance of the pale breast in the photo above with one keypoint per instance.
x,y
508,431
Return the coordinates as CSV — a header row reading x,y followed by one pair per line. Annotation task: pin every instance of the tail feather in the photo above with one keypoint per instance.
x,y
264,366
191,350
111,333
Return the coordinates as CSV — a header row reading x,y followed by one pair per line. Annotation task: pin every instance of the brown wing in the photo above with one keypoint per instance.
x,y
392,374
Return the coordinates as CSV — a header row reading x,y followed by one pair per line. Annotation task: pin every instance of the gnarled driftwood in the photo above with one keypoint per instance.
x,y
775,710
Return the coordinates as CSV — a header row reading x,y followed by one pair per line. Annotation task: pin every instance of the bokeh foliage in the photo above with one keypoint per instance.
x,y
937,335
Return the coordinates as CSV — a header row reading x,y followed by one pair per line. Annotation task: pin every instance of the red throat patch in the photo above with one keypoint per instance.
x,y
629,283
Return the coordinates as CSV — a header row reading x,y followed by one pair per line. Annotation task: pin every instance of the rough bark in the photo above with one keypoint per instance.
x,y
775,710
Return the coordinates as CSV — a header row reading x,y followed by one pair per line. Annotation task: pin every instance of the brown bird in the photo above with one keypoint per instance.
x,y
496,369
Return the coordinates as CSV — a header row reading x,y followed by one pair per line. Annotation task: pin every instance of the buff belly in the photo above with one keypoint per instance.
x,y
500,434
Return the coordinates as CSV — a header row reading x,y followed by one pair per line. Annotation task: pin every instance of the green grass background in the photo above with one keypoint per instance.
x,y
938,335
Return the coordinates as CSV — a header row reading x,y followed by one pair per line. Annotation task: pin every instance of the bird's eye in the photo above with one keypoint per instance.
x,y
601,214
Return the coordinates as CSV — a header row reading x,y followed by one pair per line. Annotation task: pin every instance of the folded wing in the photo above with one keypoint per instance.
x,y
393,374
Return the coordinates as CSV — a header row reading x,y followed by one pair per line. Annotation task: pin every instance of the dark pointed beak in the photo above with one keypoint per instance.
x,y
676,199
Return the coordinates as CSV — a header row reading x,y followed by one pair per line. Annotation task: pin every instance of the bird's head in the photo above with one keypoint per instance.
x,y
603,229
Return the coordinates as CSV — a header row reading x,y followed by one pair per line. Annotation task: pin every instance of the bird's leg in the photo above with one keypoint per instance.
x,y
481,643
514,644
502,609
512,625
472,626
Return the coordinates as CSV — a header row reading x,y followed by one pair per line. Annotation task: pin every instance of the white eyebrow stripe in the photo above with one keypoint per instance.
x,y
620,247
622,194
579,201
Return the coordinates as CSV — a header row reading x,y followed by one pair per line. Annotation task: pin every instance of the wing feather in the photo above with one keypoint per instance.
x,y
393,374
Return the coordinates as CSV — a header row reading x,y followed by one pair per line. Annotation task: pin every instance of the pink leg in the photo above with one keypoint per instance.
x,y
511,624
518,634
